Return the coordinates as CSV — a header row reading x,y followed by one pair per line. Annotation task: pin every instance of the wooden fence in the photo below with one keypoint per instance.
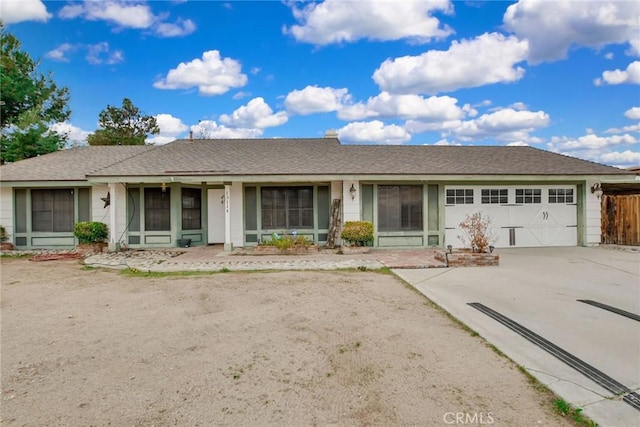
x,y
621,219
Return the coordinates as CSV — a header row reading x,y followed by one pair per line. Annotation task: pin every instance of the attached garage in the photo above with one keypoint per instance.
x,y
520,215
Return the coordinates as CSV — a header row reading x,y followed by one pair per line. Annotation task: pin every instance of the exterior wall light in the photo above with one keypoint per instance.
x,y
163,186
596,189
352,191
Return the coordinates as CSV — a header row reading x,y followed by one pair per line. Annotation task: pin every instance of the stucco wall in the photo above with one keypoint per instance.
x,y
592,217
6,210
351,208
98,211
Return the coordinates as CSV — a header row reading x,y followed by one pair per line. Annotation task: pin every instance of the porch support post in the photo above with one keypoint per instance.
x,y
228,246
114,245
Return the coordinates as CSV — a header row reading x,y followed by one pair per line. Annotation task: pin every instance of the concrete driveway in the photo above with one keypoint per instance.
x,y
539,289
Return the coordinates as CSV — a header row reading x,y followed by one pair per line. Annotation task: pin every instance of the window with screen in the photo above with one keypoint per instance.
x,y
287,207
157,209
191,208
399,207
52,210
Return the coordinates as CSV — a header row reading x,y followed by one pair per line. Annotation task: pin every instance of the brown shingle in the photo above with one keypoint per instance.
x,y
69,165
313,156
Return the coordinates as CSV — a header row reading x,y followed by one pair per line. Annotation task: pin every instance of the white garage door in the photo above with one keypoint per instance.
x,y
521,216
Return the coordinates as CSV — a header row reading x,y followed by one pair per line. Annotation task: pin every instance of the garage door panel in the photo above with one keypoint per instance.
x,y
451,237
534,221
501,237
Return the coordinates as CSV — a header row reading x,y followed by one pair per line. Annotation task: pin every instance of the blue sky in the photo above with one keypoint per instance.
x,y
558,75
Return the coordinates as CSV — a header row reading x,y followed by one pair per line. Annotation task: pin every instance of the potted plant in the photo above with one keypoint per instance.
x,y
92,236
358,235
5,245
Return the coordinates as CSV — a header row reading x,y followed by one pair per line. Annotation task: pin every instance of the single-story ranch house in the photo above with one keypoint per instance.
x,y
239,192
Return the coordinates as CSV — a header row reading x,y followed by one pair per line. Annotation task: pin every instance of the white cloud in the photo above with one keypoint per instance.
x,y
14,11
212,75
128,14
633,113
314,99
634,49
417,126
374,132
181,27
445,142
59,53
624,129
209,129
627,157
101,54
591,141
171,128
75,135
518,144
160,139
71,11
386,105
241,94
630,75
601,149
520,106
469,110
507,125
337,21
170,125
553,27
256,114
487,59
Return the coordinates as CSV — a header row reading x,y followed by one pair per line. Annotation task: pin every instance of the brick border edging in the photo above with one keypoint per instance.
x,y
468,259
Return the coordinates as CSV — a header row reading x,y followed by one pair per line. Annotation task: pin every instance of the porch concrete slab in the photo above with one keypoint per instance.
x,y
213,257
539,289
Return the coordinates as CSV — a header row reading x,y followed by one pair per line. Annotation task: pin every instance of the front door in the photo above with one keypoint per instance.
x,y
215,217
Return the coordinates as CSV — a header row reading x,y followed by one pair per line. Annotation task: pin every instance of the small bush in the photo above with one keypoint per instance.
x,y
478,232
287,242
357,233
91,232
4,236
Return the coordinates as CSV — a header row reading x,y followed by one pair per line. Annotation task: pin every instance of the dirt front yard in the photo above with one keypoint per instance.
x,y
95,347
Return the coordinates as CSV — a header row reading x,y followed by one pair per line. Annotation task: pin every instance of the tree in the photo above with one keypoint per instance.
x,y
29,103
123,126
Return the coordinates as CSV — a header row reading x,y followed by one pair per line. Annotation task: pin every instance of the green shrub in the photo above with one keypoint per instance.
x,y
4,236
358,233
286,242
91,232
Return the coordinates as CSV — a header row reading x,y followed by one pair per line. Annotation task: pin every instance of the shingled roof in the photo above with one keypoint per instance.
x,y
69,165
299,156
326,156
